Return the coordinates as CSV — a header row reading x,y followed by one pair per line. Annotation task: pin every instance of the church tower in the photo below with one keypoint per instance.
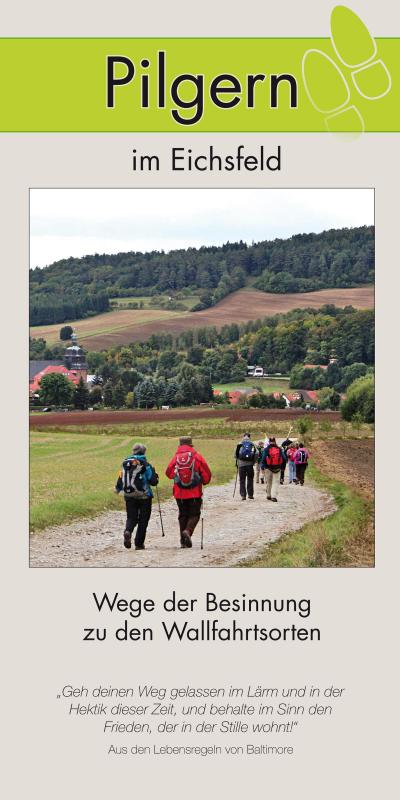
x,y
75,359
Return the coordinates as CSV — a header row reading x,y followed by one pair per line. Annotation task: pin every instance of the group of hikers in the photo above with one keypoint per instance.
x,y
269,460
189,471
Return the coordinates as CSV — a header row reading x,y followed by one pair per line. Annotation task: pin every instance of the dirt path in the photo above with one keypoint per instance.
x,y
233,531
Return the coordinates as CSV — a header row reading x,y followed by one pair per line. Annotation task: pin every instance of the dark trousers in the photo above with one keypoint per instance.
x,y
138,512
300,470
283,467
189,513
246,480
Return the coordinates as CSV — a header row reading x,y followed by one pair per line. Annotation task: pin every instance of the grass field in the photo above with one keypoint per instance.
x,y
128,325
266,385
73,476
206,428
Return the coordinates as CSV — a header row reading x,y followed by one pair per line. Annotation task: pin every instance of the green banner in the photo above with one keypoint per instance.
x,y
209,84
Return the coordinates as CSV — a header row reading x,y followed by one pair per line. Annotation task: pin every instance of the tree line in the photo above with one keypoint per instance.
x,y
54,304
77,287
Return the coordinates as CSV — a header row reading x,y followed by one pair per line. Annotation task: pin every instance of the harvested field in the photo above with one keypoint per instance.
x,y
122,327
351,462
152,415
109,326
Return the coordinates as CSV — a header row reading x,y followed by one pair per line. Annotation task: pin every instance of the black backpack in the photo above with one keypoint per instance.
x,y
134,480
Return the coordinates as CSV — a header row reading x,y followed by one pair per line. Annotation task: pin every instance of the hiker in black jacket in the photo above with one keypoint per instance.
x,y
259,455
246,456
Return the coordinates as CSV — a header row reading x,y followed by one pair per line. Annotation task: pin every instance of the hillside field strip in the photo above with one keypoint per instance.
x,y
109,327
128,325
189,301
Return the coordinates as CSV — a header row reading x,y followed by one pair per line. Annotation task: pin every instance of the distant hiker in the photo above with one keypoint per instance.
x,y
190,472
301,461
259,454
135,479
246,457
285,444
272,460
290,454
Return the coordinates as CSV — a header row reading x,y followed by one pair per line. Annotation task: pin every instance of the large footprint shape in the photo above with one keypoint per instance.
x,y
325,84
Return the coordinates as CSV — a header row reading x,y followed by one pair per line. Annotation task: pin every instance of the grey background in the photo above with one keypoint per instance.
x,y
180,18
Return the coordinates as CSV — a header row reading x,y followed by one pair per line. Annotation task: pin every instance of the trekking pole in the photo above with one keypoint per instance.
x,y
159,511
202,523
237,472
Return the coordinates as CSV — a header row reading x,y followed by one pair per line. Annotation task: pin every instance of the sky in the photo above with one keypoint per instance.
x,y
77,222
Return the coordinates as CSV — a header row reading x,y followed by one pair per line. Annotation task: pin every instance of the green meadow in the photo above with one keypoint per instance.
x,y
265,384
74,475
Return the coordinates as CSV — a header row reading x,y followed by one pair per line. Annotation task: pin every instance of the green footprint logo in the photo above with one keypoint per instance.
x,y
325,84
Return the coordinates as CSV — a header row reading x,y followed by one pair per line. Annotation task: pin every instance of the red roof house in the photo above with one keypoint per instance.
x,y
34,385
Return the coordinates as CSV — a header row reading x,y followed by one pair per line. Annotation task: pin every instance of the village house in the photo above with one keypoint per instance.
x,y
73,366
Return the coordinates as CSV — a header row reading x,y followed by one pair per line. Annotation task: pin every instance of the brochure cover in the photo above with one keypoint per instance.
x,y
200,231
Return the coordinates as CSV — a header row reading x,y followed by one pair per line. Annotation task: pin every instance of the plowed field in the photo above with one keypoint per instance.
x,y
349,461
122,327
126,417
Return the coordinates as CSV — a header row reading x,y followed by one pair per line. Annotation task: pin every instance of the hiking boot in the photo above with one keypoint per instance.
x,y
127,540
281,482
262,480
139,547
186,539
269,497
243,498
274,499
251,498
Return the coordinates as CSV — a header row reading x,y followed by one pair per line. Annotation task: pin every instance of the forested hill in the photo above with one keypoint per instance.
x,y
76,287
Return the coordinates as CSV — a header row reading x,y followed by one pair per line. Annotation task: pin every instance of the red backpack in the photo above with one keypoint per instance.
x,y
185,475
274,457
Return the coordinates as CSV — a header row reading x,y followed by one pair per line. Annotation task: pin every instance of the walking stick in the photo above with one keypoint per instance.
x,y
237,472
159,511
202,523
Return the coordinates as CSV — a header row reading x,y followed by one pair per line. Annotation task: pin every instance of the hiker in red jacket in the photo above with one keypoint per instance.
x,y
272,460
190,472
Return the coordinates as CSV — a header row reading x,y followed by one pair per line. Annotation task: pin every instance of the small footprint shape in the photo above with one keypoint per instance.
x,y
325,84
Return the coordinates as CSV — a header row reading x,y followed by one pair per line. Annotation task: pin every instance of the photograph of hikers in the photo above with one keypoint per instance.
x,y
201,378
